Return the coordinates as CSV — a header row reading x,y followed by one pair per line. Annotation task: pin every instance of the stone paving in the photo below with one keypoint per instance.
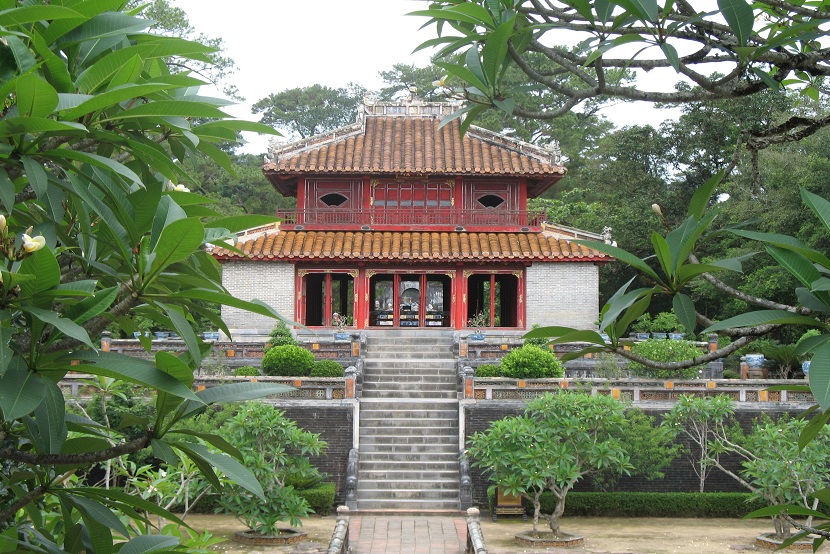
x,y
407,535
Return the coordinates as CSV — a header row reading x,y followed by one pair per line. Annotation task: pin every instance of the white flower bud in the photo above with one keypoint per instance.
x,y
32,244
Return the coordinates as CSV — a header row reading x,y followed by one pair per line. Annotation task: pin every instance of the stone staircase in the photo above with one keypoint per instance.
x,y
409,423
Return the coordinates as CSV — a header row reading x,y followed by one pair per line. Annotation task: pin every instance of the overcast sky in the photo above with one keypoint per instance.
x,y
282,44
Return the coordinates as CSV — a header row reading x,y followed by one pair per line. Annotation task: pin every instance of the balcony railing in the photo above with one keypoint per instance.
x,y
416,216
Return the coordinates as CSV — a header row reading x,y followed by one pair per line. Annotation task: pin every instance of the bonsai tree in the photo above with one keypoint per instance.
x,y
280,336
274,449
559,439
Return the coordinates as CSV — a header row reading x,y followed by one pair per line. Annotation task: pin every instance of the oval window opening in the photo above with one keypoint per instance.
x,y
333,199
491,201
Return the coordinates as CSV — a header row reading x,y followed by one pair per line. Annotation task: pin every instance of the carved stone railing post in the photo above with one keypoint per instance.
x,y
351,479
466,483
469,379
475,538
351,373
340,538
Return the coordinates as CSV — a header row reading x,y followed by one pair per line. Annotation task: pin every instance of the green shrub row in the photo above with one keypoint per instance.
x,y
327,368
653,504
320,498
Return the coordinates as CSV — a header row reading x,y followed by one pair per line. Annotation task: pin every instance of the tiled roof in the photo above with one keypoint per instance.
x,y
414,145
404,246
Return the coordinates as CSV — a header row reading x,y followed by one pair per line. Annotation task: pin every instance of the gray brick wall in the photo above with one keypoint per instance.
x,y
270,282
563,294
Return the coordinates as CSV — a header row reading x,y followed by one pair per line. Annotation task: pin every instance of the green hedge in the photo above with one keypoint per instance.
x,y
653,504
320,498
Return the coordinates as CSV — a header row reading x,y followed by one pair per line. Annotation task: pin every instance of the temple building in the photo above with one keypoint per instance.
x,y
402,223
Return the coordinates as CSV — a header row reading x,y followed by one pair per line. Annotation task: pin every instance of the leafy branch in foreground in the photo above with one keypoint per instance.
x,y
97,224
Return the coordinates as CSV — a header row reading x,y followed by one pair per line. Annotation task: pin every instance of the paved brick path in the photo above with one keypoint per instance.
x,y
407,535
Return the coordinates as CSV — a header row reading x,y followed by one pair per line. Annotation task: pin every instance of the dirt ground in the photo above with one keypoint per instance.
x,y
602,535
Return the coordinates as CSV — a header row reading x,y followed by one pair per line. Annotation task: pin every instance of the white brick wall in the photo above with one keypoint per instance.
x,y
563,294
270,282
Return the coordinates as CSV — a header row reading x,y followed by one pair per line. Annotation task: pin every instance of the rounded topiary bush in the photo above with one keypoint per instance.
x,y
327,368
287,361
488,370
531,362
246,371
662,350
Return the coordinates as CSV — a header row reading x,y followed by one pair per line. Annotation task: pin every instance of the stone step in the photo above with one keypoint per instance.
x,y
398,436
386,484
407,506
408,474
434,395
384,424
412,493
428,468
431,457
411,379
408,364
386,448
400,353
413,386
409,431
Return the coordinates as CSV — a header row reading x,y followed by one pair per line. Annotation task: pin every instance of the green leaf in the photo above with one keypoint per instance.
x,y
623,256
818,205
684,309
548,332
21,15
21,391
580,336
776,510
799,266
494,54
185,330
133,370
671,55
815,426
207,130
35,97
95,160
7,191
700,199
236,392
766,78
49,416
254,306
234,224
740,17
115,495
94,306
234,470
820,376
97,511
645,10
169,108
65,326
177,241
36,175
6,354
463,73
112,97
762,317
21,126
144,544
214,439
661,250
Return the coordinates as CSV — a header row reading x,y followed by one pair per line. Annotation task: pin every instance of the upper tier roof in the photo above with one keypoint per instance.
x,y
405,138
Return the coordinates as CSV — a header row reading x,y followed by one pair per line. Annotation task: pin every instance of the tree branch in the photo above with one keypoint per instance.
x,y
26,457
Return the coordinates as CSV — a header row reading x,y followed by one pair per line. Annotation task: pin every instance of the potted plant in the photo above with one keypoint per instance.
x,y
275,450
642,327
664,323
340,322
478,321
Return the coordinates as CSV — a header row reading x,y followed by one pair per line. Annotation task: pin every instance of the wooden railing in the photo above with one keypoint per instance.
x,y
421,216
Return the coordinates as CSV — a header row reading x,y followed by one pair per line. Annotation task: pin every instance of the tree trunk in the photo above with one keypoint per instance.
x,y
558,510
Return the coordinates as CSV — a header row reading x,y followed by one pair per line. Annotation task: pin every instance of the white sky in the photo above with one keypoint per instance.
x,y
282,44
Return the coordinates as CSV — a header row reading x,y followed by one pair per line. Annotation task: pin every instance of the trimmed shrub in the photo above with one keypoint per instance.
x,y
662,350
246,371
488,370
531,362
287,361
280,336
320,498
327,368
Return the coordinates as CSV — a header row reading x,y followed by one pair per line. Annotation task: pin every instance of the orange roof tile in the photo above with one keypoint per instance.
x,y
413,144
394,144
392,246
